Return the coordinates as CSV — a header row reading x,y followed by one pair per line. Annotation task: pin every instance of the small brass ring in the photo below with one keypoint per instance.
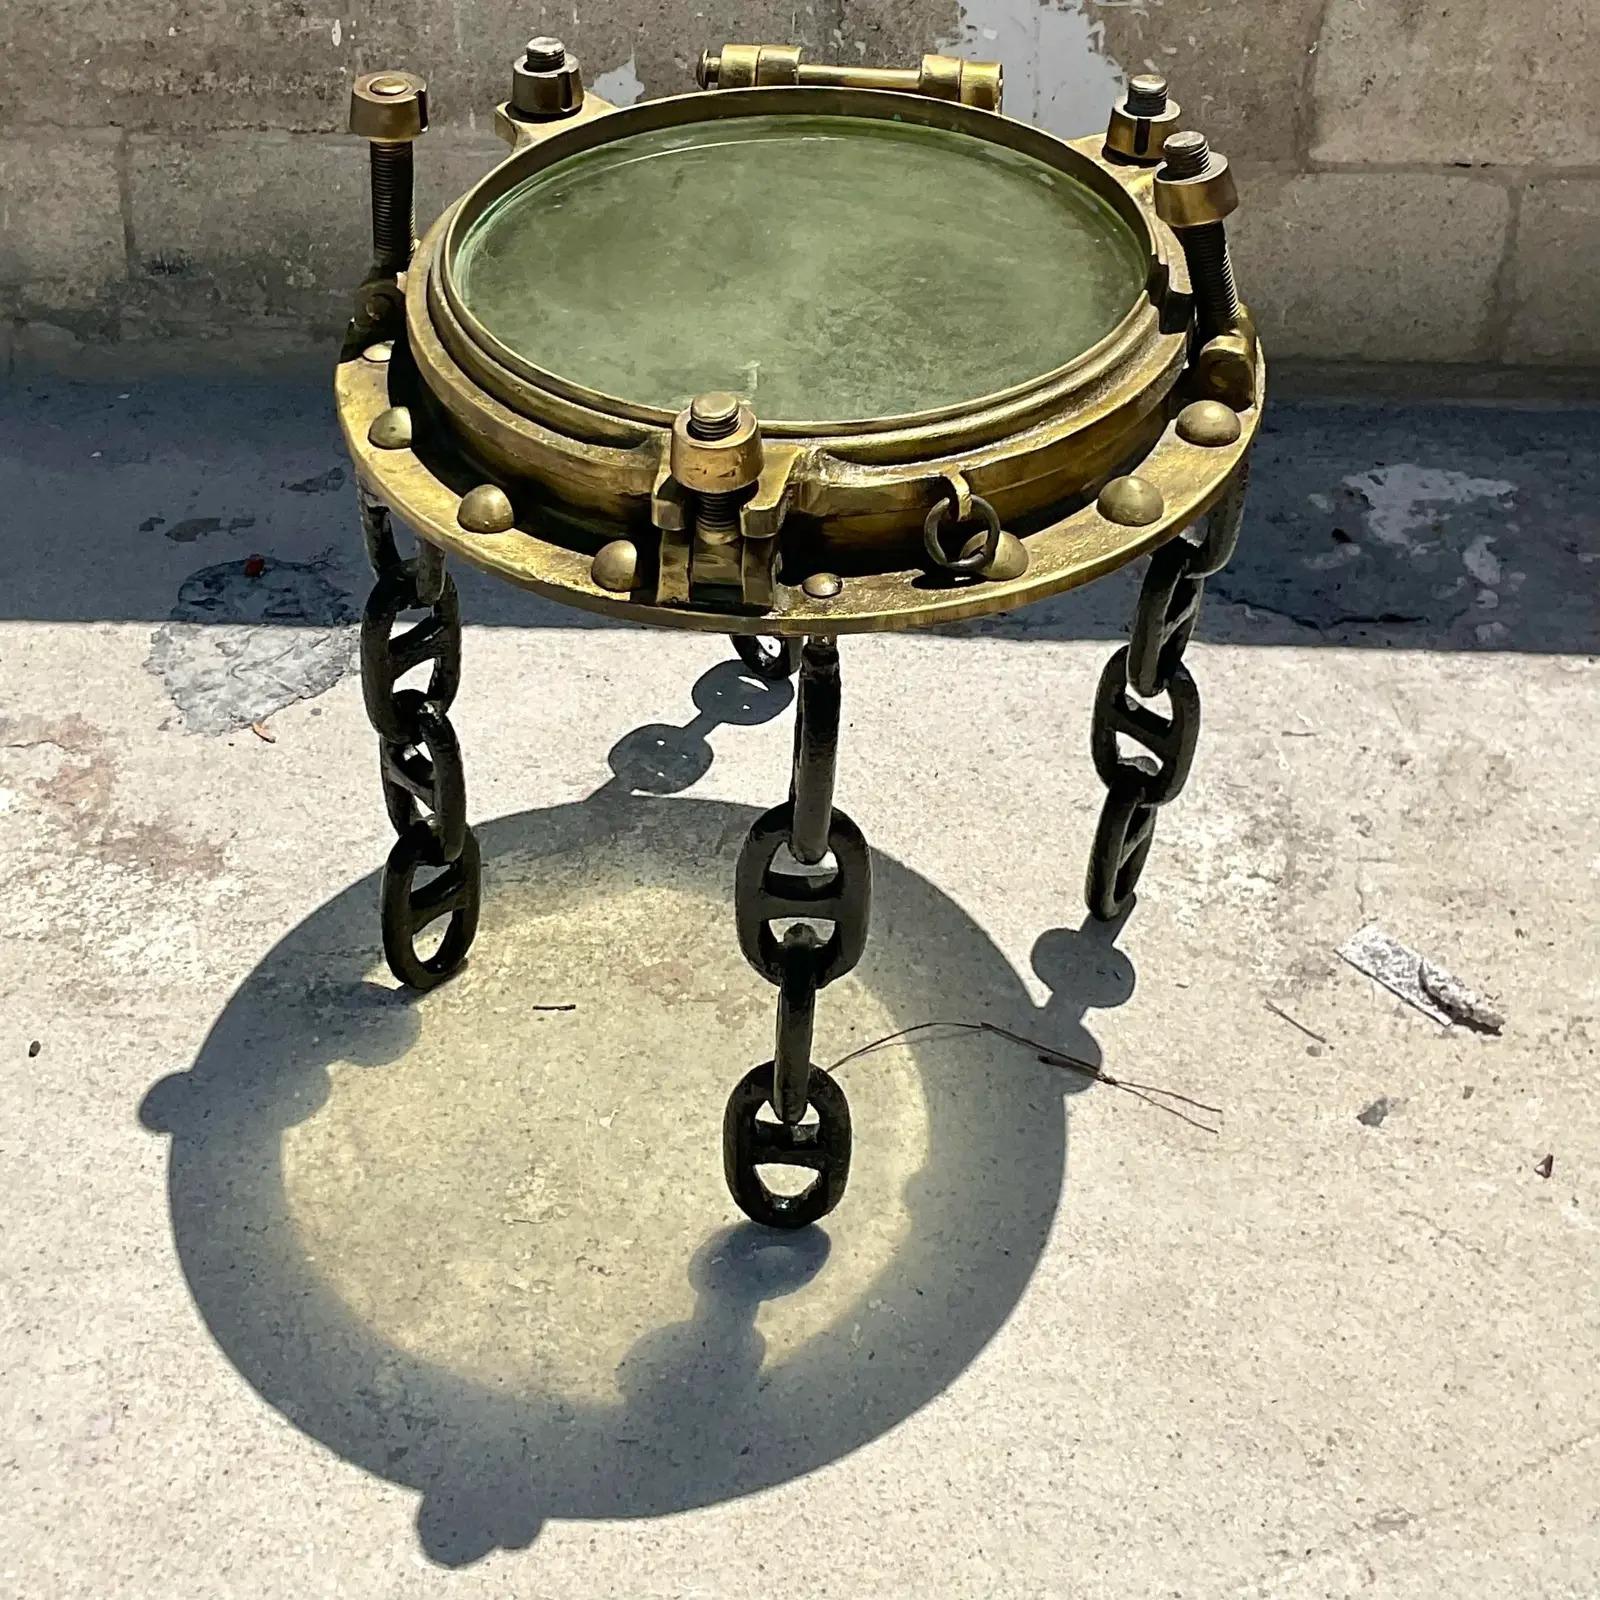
x,y
934,528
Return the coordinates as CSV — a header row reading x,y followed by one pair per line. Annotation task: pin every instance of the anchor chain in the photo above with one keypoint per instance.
x,y
773,661
1149,666
827,879
419,757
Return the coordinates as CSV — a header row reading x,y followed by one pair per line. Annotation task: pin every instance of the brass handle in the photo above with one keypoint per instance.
x,y
766,66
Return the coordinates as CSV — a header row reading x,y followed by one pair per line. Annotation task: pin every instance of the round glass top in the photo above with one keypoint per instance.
x,y
824,267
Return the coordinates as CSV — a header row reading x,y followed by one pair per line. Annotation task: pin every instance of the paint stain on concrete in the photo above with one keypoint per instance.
x,y
67,769
1480,560
1059,72
239,648
1402,500
323,483
621,85
192,528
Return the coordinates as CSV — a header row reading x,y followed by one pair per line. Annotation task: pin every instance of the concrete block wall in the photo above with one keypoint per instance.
x,y
1421,181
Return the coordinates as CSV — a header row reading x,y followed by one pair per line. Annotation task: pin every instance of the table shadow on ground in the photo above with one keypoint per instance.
x,y
485,1250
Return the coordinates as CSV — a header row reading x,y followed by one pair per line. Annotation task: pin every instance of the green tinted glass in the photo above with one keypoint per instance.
x,y
824,267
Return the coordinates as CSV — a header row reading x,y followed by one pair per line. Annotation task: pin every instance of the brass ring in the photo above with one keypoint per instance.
x,y
975,560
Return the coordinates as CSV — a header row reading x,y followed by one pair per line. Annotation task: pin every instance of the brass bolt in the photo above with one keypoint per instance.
x,y
1194,191
1141,120
390,111
716,457
713,416
1188,155
1147,95
546,81
544,54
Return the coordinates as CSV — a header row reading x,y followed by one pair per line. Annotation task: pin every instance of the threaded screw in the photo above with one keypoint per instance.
x,y
1205,248
390,110
1147,95
1211,274
394,210
715,416
1187,155
545,54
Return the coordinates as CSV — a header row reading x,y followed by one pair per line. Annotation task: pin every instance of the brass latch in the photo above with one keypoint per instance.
x,y
721,495
769,66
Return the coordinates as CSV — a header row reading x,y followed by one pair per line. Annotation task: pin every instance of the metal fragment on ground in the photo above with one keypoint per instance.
x,y
1372,1116
1418,981
1464,1005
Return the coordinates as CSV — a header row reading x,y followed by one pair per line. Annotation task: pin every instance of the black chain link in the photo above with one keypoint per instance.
x,y
801,961
772,660
1156,775
1150,666
419,756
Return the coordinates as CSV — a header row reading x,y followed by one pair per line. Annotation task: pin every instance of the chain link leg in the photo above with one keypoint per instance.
x,y
1148,666
801,892
771,660
419,757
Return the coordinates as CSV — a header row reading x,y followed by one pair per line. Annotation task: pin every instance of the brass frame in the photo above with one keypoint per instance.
x,y
579,469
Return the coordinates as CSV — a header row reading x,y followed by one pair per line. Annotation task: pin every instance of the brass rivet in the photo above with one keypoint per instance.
x,y
822,585
1208,422
388,86
1010,558
616,567
380,352
1132,502
486,509
391,429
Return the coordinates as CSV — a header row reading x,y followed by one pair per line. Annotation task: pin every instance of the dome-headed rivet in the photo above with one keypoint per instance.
x,y
391,429
1131,502
1208,422
1010,558
486,509
822,585
380,353
616,567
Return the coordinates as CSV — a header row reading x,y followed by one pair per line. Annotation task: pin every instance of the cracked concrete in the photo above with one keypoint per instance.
x,y
315,1288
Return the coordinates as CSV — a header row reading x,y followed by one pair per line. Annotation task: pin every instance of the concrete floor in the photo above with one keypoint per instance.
x,y
312,1289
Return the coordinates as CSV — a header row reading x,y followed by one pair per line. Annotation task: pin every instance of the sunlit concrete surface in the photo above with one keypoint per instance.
x,y
312,1288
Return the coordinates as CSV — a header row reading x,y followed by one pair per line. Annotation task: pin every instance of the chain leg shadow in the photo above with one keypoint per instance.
x,y
800,963
419,757
1148,666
